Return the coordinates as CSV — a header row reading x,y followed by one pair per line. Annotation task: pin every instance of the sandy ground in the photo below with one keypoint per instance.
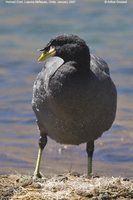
x,y
65,187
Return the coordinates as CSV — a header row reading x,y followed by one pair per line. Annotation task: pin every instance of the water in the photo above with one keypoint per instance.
x,y
24,28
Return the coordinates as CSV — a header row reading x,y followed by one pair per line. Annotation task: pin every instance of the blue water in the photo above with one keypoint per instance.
x,y
108,31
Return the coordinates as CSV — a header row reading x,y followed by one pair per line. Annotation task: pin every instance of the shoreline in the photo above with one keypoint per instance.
x,y
69,186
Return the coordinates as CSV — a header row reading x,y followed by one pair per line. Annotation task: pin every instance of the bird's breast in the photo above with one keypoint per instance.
x,y
77,108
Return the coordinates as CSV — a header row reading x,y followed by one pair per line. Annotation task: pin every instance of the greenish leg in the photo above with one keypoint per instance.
x,y
90,150
42,144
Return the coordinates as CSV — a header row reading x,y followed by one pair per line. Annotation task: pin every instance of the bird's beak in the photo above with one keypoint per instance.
x,y
46,55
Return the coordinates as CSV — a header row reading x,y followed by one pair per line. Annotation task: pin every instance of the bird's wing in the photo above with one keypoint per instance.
x,y
41,83
51,65
100,63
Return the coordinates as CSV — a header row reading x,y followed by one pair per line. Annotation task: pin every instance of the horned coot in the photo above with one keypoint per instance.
x,y
74,98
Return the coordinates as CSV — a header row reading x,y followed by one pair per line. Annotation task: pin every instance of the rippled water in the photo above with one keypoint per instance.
x,y
24,28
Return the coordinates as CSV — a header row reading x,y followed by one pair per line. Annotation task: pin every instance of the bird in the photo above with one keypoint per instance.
x,y
74,98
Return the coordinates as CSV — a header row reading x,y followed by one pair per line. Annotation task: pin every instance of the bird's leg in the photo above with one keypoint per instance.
x,y
42,144
90,150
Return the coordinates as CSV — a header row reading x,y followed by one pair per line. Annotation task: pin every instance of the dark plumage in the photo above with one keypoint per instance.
x,y
74,98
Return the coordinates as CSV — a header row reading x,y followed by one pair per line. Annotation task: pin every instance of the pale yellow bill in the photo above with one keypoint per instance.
x,y
46,55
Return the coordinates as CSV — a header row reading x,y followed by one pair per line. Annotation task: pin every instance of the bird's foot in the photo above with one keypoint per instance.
x,y
89,175
37,175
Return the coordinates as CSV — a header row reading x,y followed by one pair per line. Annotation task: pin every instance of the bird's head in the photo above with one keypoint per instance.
x,y
69,48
